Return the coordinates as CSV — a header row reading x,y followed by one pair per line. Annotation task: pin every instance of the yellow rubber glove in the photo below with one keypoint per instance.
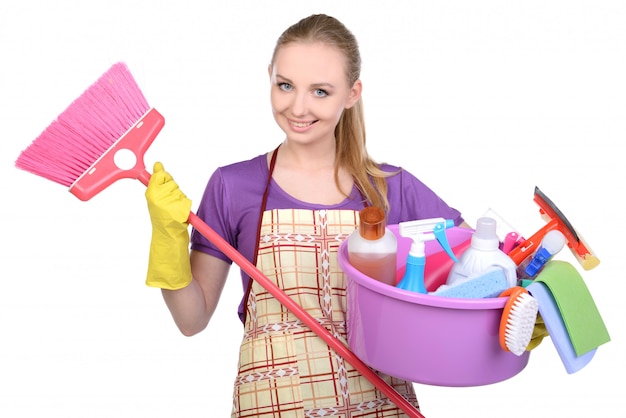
x,y
539,332
168,266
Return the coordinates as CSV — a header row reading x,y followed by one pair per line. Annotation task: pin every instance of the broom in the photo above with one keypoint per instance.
x,y
102,137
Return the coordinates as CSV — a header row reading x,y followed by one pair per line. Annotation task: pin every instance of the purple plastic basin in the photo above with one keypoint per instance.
x,y
422,338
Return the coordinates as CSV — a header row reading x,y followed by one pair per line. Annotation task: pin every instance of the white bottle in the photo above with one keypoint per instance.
x,y
483,253
372,247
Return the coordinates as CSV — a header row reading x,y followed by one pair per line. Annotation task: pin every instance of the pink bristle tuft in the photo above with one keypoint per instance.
x,y
87,128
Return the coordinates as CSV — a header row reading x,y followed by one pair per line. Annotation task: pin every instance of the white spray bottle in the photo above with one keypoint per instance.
x,y
421,231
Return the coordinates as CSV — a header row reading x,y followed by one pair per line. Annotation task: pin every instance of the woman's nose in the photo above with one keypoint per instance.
x,y
299,104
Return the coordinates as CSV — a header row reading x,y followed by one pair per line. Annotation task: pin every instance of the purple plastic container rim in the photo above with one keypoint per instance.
x,y
413,297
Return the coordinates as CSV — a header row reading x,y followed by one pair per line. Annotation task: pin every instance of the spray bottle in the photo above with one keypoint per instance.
x,y
421,231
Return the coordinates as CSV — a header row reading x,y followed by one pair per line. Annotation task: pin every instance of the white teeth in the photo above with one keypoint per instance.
x,y
301,124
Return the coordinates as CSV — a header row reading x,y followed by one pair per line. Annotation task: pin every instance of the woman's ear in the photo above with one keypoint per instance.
x,y
355,94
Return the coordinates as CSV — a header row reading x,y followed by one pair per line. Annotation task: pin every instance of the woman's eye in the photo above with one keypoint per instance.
x,y
284,86
320,93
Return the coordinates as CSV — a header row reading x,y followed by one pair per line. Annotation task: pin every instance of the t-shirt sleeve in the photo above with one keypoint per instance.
x,y
411,199
214,211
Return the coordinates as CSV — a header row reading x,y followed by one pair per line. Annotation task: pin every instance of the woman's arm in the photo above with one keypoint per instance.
x,y
193,306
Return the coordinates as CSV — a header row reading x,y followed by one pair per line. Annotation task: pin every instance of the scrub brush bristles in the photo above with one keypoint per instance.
x,y
518,320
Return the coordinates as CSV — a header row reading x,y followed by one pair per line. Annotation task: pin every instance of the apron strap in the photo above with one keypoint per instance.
x,y
258,229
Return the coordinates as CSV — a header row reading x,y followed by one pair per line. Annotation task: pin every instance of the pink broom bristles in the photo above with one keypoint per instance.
x,y
89,126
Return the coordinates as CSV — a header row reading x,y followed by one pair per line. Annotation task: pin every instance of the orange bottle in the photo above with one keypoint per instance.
x,y
372,247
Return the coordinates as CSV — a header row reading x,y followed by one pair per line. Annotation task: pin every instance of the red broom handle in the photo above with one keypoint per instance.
x,y
297,310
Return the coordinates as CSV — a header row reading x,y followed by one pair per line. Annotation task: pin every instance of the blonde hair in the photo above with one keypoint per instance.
x,y
351,151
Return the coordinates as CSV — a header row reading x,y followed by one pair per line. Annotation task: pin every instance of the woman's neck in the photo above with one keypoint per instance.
x,y
315,157
308,174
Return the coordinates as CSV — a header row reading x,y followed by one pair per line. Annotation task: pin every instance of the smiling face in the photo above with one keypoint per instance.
x,y
310,91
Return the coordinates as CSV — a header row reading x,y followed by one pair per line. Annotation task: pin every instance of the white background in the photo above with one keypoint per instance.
x,y
482,100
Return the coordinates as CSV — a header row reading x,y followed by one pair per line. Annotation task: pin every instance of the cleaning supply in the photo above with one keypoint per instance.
x,y
551,244
509,236
372,247
102,137
549,311
110,125
556,220
487,284
483,253
583,321
518,320
570,314
439,263
421,231
422,338
511,240
168,264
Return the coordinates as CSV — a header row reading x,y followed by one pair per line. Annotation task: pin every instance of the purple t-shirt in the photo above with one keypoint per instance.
x,y
232,200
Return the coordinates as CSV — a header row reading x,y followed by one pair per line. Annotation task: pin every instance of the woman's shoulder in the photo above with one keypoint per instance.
x,y
387,167
237,179
243,171
254,163
397,174
410,198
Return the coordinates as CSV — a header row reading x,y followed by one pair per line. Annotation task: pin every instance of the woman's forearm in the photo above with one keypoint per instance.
x,y
193,306
188,308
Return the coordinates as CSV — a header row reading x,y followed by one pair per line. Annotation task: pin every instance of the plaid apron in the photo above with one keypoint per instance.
x,y
285,369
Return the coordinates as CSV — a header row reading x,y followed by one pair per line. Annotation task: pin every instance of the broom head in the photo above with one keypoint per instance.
x,y
101,137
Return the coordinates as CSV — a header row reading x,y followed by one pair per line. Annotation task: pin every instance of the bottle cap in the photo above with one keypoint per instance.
x,y
553,241
485,236
372,223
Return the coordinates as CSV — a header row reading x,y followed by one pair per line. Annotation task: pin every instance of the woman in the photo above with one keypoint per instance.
x,y
287,211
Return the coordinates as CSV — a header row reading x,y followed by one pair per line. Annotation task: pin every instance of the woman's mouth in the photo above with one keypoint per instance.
x,y
301,125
